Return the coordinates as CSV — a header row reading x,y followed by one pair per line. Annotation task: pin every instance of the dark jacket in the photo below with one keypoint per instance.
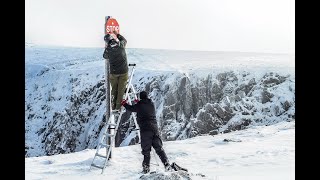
x,y
146,115
117,57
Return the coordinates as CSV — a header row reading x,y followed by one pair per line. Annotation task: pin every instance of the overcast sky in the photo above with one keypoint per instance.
x,y
213,25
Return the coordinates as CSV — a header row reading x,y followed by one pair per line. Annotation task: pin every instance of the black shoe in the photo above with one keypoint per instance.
x,y
175,167
167,167
146,169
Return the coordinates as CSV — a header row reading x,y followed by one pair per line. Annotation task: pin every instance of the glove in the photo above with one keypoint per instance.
x,y
107,38
136,100
123,102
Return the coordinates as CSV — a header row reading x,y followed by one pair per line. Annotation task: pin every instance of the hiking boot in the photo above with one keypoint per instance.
x,y
175,167
167,167
145,169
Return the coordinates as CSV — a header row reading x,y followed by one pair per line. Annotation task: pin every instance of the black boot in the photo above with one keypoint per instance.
x,y
146,163
175,167
167,166
146,168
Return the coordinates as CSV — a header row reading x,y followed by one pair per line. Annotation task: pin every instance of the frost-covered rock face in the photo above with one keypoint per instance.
x,y
224,102
65,102
65,132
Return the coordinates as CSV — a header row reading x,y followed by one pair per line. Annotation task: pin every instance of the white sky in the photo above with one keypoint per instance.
x,y
214,25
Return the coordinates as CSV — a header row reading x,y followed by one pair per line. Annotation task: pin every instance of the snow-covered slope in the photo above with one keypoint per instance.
x,y
195,93
259,152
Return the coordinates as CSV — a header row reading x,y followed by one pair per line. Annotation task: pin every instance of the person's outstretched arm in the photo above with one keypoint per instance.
x,y
132,108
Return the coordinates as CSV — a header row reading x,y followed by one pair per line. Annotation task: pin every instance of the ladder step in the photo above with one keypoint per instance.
x,y
115,111
110,135
112,124
96,166
100,155
104,145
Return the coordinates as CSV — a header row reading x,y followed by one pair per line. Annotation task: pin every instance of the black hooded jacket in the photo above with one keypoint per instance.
x,y
117,56
146,115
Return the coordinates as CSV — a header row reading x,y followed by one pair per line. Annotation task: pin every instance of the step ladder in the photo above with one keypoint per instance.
x,y
109,131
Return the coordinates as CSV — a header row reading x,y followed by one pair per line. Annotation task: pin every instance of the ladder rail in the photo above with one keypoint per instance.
x,y
134,117
129,83
101,139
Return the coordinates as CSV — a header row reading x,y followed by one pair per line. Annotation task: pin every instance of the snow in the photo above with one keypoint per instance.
x,y
54,74
260,152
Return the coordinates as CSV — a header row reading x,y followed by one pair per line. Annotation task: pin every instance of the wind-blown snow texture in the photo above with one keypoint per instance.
x,y
194,92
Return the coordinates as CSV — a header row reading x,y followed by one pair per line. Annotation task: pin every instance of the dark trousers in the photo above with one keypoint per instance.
x,y
118,86
151,139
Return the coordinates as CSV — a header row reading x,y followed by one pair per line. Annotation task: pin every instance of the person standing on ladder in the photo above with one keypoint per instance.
x,y
115,53
150,136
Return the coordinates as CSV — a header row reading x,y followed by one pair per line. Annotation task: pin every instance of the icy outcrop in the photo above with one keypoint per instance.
x,y
225,102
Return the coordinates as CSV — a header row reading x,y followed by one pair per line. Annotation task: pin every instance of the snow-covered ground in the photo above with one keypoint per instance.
x,y
259,152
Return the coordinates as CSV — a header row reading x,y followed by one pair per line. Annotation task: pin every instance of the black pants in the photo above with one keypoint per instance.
x,y
148,139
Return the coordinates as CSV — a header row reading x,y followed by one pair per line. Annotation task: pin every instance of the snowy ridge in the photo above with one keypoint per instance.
x,y
195,93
